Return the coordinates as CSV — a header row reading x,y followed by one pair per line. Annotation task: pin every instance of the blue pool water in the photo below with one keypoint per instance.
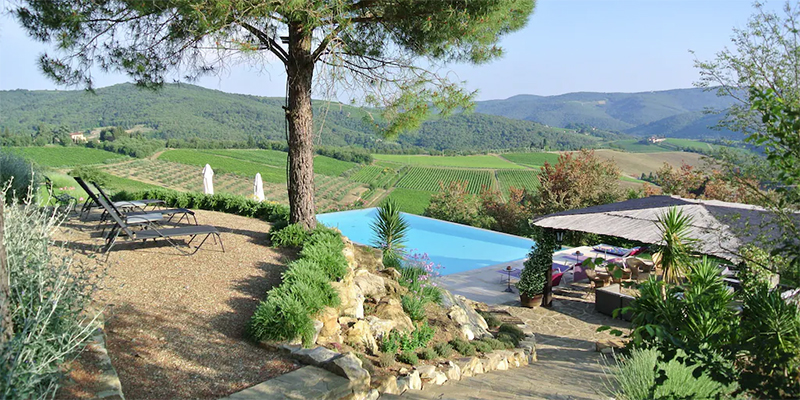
x,y
456,247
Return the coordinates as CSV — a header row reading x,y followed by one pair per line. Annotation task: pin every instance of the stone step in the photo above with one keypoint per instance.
x,y
305,383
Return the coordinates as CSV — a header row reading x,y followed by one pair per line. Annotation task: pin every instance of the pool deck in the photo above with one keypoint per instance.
x,y
488,285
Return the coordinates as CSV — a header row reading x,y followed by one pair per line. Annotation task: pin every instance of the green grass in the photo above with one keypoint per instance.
x,y
526,179
65,156
411,201
421,178
222,164
322,165
532,159
479,161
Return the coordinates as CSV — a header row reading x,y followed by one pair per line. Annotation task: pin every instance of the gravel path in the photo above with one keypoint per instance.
x,y
175,323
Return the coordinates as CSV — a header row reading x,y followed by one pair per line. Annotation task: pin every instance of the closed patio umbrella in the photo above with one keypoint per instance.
x,y
208,180
258,187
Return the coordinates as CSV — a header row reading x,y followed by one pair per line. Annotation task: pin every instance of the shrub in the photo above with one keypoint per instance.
x,y
635,378
293,235
431,294
443,349
386,360
512,333
90,175
494,343
463,347
390,229
482,346
408,357
20,172
48,294
422,335
427,354
414,306
490,319
282,317
326,251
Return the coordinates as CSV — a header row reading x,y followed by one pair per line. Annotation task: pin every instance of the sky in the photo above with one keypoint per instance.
x,y
567,46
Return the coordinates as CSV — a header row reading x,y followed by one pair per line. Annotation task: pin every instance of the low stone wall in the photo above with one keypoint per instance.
x,y
361,386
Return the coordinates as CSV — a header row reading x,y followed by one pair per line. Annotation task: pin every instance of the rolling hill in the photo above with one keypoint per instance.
x,y
673,113
183,111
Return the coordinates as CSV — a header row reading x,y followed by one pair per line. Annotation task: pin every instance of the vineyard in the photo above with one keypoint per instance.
x,y
322,165
479,161
420,178
528,180
331,192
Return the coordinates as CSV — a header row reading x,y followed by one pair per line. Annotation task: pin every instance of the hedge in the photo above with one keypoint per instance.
x,y
288,311
228,203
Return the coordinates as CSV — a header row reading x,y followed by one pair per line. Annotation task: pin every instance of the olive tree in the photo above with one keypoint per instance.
x,y
386,53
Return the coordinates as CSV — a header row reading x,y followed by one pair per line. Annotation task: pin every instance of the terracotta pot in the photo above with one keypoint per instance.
x,y
530,302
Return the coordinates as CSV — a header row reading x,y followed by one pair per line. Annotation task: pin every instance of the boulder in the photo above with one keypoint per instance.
x,y
330,321
369,284
471,323
503,364
368,258
426,371
317,328
439,378
380,327
391,309
490,361
373,394
394,287
388,384
452,371
316,356
469,365
349,366
414,381
520,357
360,335
402,384
608,345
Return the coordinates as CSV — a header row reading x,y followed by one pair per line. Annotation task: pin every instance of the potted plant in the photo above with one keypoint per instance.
x,y
531,284
533,279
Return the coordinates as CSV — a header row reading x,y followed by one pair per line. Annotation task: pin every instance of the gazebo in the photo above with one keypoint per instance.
x,y
721,228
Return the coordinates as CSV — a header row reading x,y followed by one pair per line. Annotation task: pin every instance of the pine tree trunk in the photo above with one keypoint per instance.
x,y
300,73
7,327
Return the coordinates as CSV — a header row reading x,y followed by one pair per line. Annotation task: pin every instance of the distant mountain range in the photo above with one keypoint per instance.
x,y
182,111
671,113
563,122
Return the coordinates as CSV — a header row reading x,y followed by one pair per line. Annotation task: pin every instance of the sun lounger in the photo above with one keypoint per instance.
x,y
92,202
153,232
171,212
613,250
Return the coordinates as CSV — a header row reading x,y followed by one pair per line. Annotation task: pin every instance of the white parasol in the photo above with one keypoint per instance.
x,y
258,187
208,180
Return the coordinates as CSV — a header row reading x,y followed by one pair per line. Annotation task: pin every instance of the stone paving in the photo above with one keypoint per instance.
x,y
568,366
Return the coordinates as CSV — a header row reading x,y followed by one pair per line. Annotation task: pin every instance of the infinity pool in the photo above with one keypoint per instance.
x,y
456,247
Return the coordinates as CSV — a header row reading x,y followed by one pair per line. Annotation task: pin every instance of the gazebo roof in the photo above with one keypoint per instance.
x,y
720,227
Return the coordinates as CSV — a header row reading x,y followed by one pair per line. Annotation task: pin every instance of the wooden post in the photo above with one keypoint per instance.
x,y
7,327
547,299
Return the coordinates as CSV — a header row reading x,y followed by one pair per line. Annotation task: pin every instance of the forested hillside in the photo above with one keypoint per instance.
x,y
182,111
680,111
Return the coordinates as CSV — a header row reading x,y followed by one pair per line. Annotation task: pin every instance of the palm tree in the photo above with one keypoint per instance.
x,y
390,230
676,245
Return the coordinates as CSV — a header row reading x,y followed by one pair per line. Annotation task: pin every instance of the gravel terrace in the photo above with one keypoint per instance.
x,y
176,324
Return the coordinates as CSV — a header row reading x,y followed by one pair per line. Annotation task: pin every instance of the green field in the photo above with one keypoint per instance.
x,y
222,164
629,179
532,159
322,165
528,180
411,201
480,161
65,156
421,178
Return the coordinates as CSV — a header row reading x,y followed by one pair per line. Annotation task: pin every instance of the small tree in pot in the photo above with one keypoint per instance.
x,y
533,279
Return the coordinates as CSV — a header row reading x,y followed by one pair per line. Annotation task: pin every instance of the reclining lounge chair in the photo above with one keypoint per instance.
x,y
171,212
92,202
153,232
